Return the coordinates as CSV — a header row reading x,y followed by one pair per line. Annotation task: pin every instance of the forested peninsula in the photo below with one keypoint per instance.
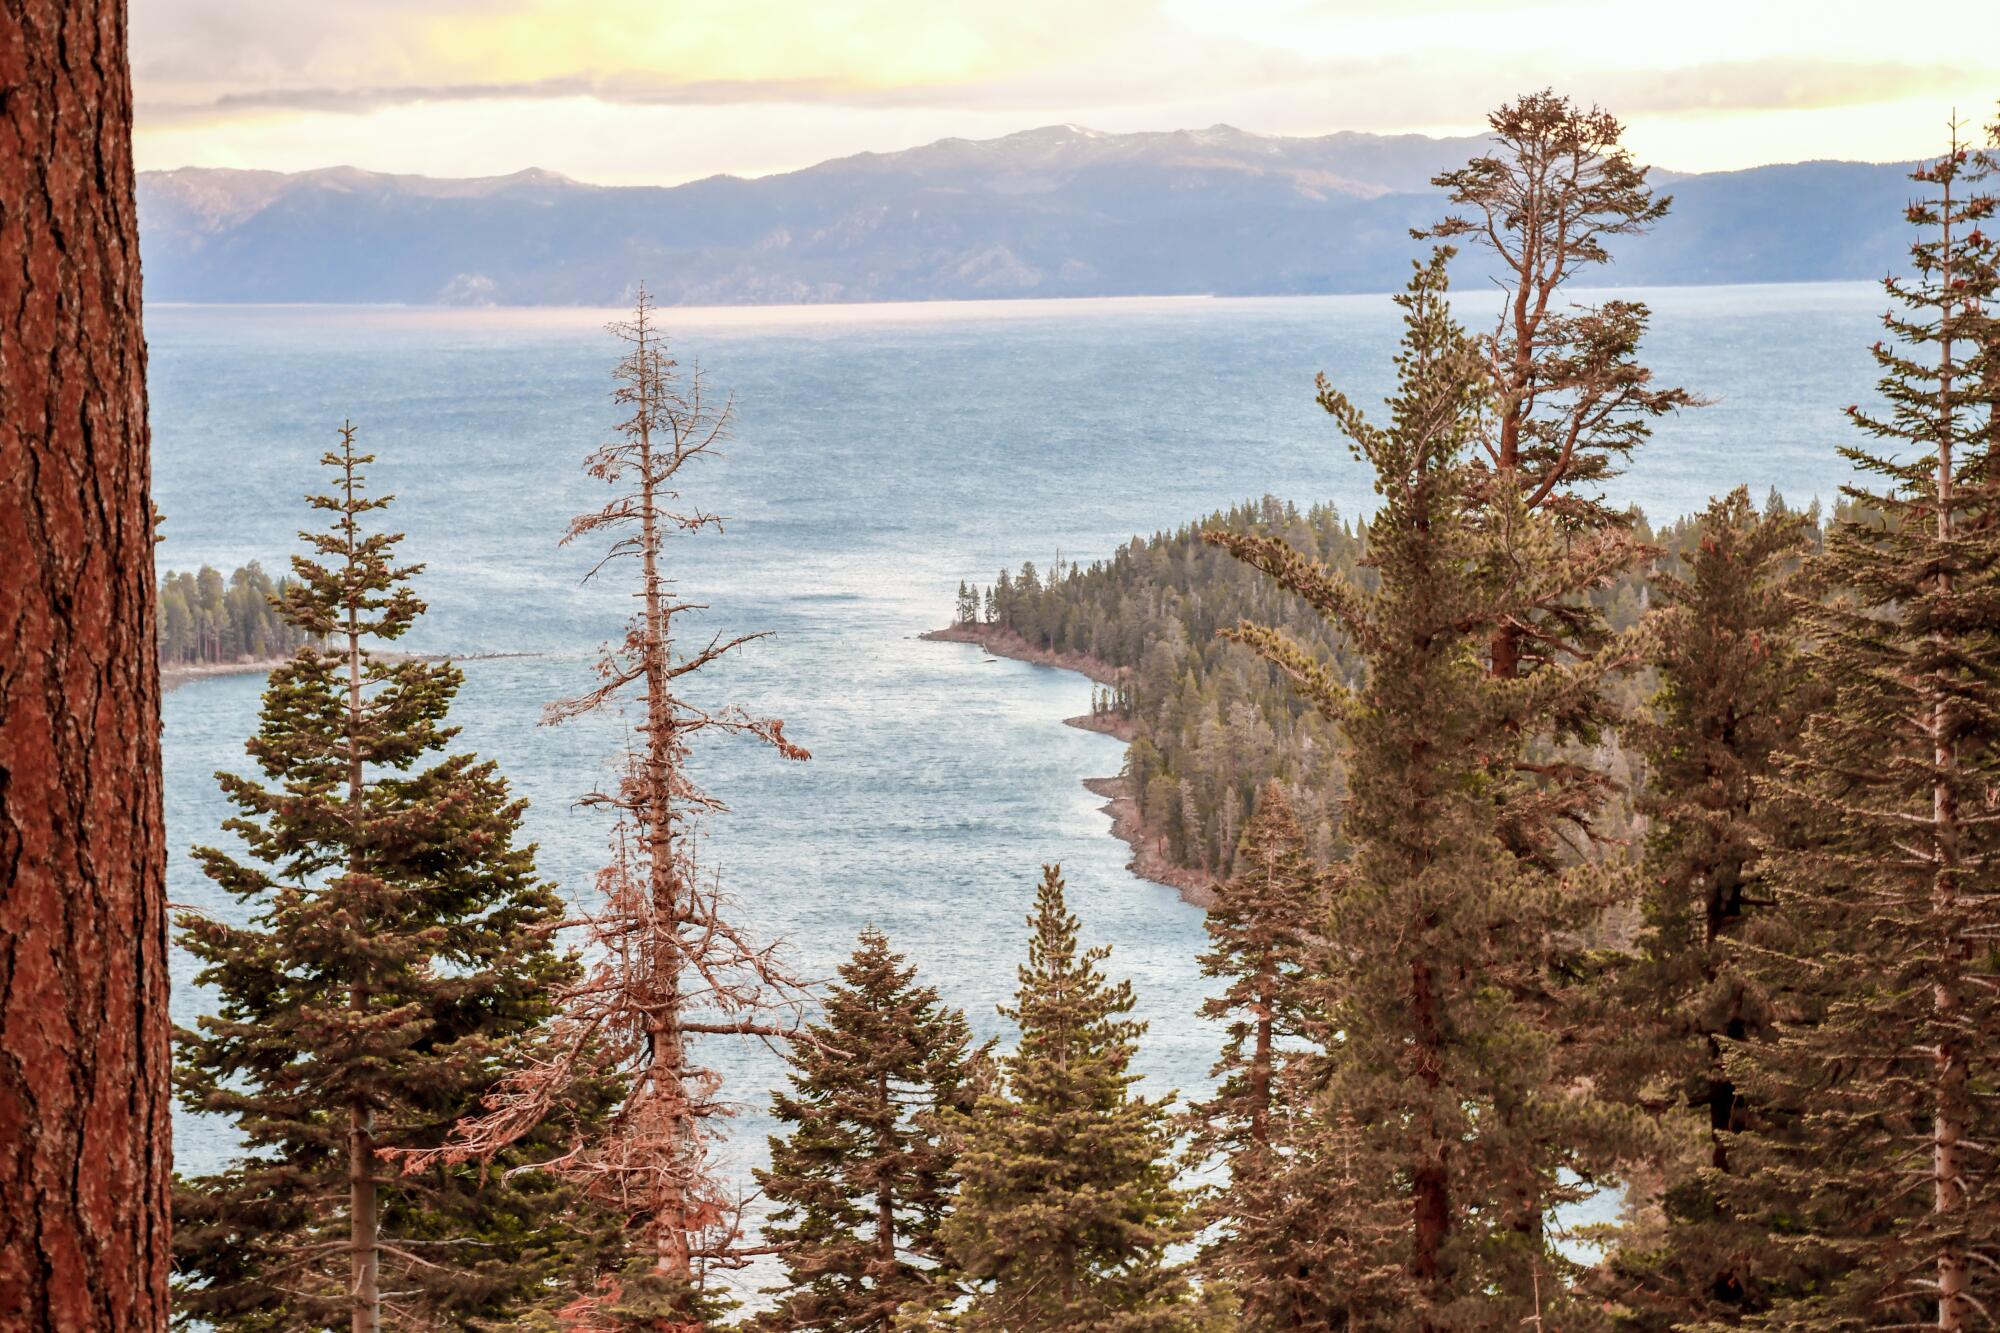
x,y
1210,727
216,625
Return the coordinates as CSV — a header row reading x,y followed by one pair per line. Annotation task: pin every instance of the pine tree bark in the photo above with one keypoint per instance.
x,y
1430,1186
85,1147
364,1222
1948,1129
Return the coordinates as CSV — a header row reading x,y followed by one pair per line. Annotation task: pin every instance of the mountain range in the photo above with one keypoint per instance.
x,y
1059,211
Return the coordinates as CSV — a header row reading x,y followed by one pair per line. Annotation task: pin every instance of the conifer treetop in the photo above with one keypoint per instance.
x,y
864,1174
1068,1206
354,583
1572,400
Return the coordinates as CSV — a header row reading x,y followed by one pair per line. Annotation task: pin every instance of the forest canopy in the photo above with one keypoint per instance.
x,y
207,618
1213,726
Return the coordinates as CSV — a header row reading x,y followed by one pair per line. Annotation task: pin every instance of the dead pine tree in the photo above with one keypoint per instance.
x,y
667,967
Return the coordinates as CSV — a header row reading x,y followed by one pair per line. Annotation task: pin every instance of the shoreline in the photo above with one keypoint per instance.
x,y
176,674
1128,821
936,307
1010,645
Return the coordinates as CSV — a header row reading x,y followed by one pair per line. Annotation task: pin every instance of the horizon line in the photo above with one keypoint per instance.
x,y
1073,127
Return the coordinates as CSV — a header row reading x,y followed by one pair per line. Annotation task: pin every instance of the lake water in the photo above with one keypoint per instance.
x,y
882,454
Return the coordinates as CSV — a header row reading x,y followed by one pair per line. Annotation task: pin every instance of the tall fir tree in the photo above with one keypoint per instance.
x,y
1733,691
865,1172
1296,1229
396,954
1067,1204
1886,1051
1445,938
1569,402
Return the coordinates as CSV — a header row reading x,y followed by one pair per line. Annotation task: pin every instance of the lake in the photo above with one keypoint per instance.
x,y
883,453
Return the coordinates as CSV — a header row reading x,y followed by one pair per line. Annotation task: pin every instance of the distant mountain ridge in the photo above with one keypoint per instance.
x,y
1059,211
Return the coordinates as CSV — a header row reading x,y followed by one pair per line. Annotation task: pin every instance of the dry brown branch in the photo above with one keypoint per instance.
x,y
667,965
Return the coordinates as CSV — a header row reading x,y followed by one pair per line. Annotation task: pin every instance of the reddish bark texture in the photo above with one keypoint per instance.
x,y
84,1129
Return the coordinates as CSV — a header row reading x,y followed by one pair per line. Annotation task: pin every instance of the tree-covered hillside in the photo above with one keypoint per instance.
x,y
1060,211
205,617
1213,724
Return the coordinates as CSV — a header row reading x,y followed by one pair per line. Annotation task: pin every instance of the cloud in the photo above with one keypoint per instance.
x,y
238,80
1784,84
191,55
614,89
1436,85
1113,86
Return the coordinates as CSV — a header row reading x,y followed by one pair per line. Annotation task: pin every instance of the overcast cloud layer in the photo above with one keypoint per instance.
x,y
628,91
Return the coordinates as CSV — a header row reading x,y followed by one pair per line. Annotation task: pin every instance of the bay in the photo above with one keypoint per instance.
x,y
883,453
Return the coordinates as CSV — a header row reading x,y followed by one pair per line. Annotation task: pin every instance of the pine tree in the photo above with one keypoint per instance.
x,y
864,1175
1570,401
1260,929
669,966
1886,1047
1449,1059
1067,1204
396,954
1298,1225
1733,691
1314,1230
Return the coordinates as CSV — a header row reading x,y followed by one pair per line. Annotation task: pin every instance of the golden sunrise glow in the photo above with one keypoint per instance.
x,y
864,46
627,91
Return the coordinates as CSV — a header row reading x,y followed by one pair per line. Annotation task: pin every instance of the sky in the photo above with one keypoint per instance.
x,y
662,91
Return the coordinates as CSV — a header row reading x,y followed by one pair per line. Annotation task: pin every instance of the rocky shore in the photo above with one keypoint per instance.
x,y
1128,822
173,675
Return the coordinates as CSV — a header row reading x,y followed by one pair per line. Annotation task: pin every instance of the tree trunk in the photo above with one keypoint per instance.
x,y
885,1208
1724,909
1515,377
1261,1055
1948,1127
675,1238
364,1222
363,1205
1429,1185
85,1136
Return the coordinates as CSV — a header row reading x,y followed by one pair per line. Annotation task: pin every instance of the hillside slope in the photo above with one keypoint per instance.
x,y
1061,211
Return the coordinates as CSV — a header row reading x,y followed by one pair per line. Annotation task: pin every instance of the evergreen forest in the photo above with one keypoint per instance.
x,y
206,618
1551,849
